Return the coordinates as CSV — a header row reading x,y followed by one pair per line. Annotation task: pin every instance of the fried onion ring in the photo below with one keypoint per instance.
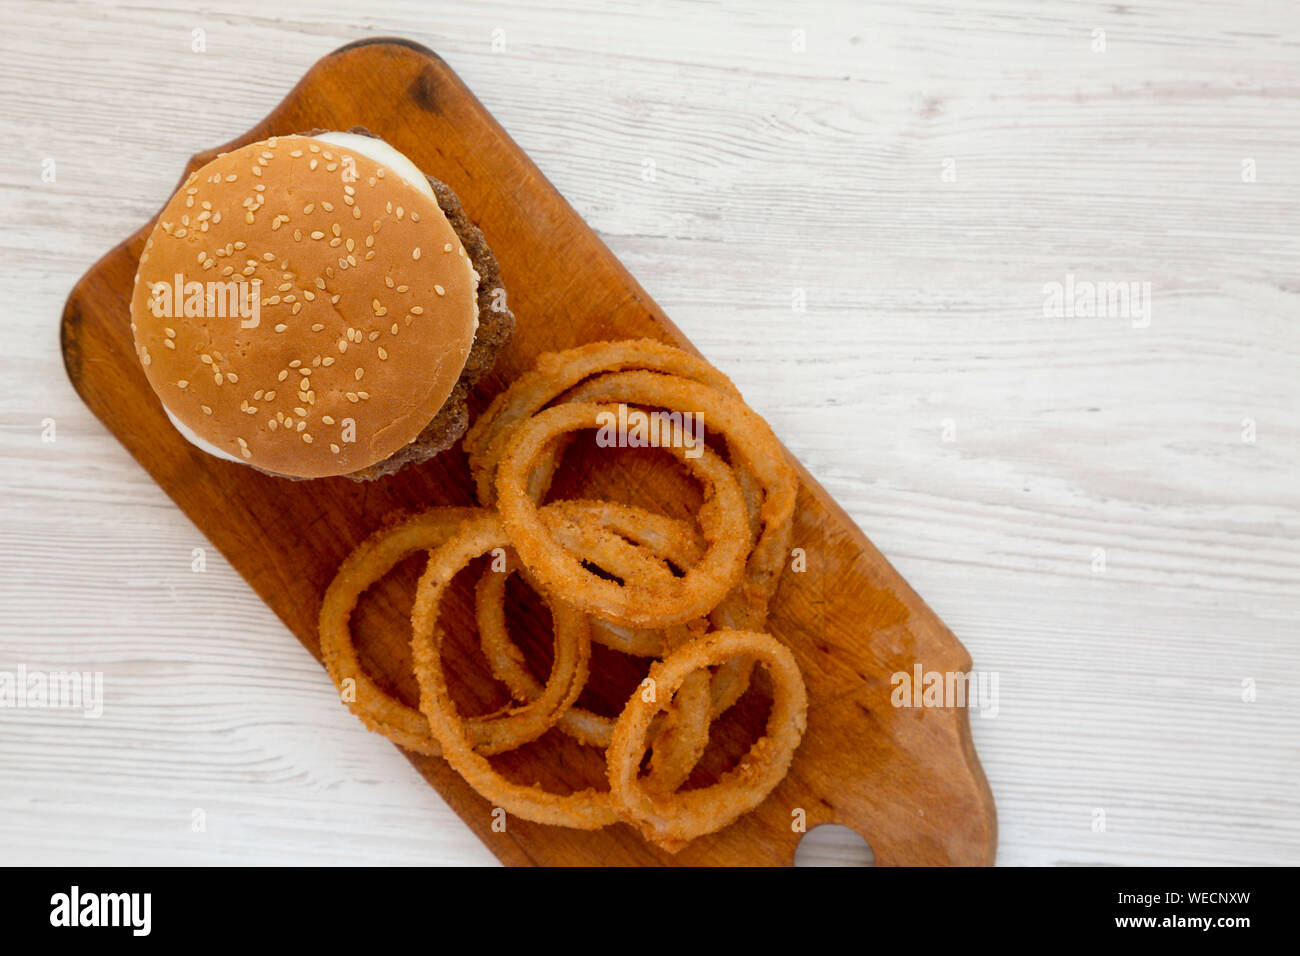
x,y
385,714
749,438
584,809
589,528
673,820
556,372
559,571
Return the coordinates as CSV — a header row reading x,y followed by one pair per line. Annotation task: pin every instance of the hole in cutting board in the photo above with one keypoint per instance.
x,y
833,845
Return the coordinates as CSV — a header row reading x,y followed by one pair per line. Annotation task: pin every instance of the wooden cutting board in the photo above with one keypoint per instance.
x,y
907,779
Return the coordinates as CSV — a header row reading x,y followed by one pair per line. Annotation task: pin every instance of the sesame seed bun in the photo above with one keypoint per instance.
x,y
360,330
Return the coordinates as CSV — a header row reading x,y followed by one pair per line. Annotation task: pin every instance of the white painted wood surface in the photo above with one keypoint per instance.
x,y
828,171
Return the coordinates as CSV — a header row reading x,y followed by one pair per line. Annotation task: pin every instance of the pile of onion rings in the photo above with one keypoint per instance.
x,y
691,596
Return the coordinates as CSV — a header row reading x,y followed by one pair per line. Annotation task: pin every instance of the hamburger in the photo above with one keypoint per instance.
x,y
314,306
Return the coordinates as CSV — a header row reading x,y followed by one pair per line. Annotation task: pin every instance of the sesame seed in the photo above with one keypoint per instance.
x,y
352,397
270,396
383,353
317,327
283,375
206,410
305,384
306,438
317,234
343,345
280,327
334,448
447,247
169,343
327,362
300,412
300,426
205,358
232,376
327,419
358,373
272,424
182,384
365,396
257,396
415,253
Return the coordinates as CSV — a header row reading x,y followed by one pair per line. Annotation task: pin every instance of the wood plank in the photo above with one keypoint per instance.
x,y
908,780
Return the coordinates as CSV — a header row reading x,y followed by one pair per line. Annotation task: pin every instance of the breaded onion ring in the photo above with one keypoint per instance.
x,y
596,530
583,810
751,441
381,712
673,820
556,372
559,571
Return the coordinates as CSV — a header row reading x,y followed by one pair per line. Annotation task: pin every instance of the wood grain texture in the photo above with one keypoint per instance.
x,y
908,780
1120,691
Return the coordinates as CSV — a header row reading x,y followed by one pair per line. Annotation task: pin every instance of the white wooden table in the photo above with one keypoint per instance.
x,y
919,178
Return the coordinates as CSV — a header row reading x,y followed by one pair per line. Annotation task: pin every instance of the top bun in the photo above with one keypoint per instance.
x,y
360,328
